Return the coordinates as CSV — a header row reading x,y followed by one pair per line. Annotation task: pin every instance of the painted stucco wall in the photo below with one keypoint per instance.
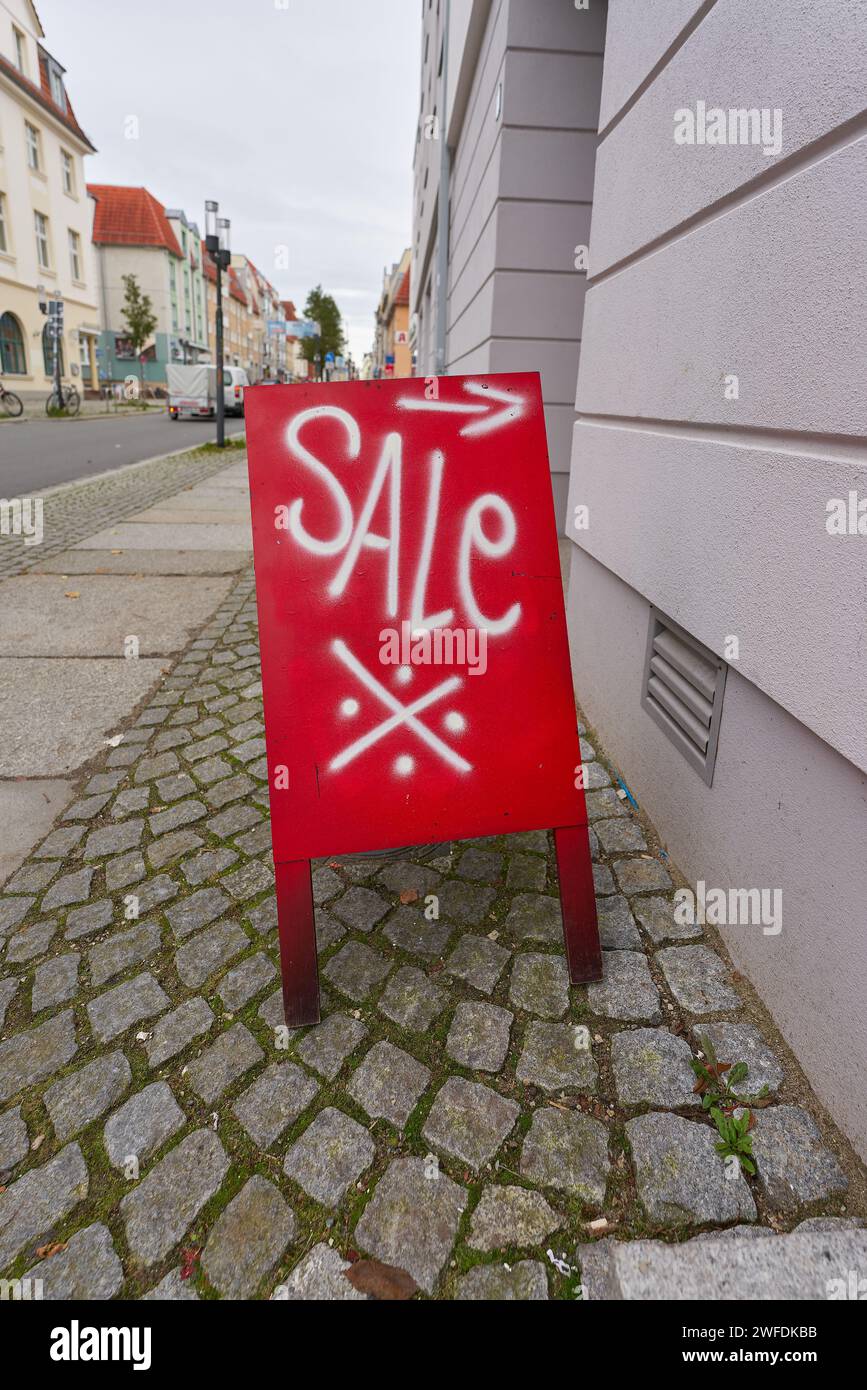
x,y
525,77
708,263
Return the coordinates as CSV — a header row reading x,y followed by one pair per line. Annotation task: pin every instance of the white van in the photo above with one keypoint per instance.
x,y
234,381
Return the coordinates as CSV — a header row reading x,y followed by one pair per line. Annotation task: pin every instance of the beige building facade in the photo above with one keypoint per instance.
x,y
46,216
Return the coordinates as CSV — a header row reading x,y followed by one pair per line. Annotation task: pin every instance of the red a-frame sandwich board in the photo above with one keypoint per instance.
x,y
415,663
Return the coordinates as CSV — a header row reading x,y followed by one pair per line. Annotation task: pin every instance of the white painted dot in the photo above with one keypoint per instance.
x,y
349,708
403,674
404,765
455,722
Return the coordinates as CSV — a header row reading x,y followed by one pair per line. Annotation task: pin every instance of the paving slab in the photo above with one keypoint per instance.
x,y
166,562
798,1267
142,535
56,713
37,619
27,812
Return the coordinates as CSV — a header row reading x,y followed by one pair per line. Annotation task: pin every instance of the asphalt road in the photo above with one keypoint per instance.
x,y
39,453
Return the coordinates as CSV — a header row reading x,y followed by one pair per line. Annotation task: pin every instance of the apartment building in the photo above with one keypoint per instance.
x,y
188,287
702,367
46,215
392,354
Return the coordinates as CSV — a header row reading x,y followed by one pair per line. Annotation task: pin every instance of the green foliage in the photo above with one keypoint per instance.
x,y
735,1138
716,1084
138,313
322,309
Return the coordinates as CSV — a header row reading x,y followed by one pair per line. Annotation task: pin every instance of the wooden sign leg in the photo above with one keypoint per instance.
x,y
578,902
298,966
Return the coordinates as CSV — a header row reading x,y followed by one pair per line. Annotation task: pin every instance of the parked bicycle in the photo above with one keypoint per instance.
x,y
68,401
10,404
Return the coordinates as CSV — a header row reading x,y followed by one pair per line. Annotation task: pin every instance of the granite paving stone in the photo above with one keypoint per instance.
x,y
29,1057
479,1036
276,1098
681,1178
331,1154
198,910
620,836
243,982
113,839
13,911
526,1281
511,1217
122,951
361,908
411,931
412,1000
14,1141
211,949
157,1213
205,865
568,1151
465,903
119,1008
388,1083
55,982
794,1166
535,917
30,942
84,921
617,929
656,916
557,1057
71,888
741,1042
124,870
88,1268
33,1205
182,813
326,1048
221,1064
142,1125
540,985
469,1121
319,1277
652,1067
640,875
248,1239
177,1029
412,1220
697,978
78,1099
626,990
478,961
357,969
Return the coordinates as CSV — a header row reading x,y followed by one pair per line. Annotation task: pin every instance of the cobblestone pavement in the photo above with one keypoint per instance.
x,y
445,1116
74,511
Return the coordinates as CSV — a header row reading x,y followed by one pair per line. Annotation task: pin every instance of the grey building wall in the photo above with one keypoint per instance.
x,y
705,262
524,90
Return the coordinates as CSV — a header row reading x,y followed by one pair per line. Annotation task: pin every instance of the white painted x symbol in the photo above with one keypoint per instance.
x,y
401,714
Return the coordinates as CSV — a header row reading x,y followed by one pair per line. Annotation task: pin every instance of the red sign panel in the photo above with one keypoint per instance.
x,y
415,665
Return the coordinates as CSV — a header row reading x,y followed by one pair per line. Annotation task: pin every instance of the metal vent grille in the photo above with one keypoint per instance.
x,y
682,692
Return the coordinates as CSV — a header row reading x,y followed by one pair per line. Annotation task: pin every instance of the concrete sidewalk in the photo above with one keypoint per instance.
x,y
85,637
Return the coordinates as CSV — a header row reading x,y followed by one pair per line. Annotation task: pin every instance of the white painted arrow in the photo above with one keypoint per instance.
x,y
493,419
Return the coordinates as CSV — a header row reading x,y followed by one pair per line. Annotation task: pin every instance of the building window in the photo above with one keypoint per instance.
x,y
33,158
84,356
75,254
12,359
4,240
48,345
55,79
68,167
20,51
40,222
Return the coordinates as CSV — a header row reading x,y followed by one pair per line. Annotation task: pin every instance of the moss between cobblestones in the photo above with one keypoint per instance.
x,y
314,1221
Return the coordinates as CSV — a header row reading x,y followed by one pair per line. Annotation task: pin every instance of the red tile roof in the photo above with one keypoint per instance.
x,y
130,217
235,287
402,296
42,95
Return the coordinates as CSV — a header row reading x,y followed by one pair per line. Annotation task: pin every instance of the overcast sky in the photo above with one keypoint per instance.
x,y
298,116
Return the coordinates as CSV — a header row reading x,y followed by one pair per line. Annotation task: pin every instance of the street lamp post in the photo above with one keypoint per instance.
x,y
217,242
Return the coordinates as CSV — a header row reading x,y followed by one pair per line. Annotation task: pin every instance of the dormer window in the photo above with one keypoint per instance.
x,y
20,51
55,79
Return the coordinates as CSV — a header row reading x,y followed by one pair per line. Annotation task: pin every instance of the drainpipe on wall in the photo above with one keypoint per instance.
x,y
442,271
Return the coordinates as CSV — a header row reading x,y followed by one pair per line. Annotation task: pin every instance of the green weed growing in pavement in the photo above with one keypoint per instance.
x,y
716,1084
